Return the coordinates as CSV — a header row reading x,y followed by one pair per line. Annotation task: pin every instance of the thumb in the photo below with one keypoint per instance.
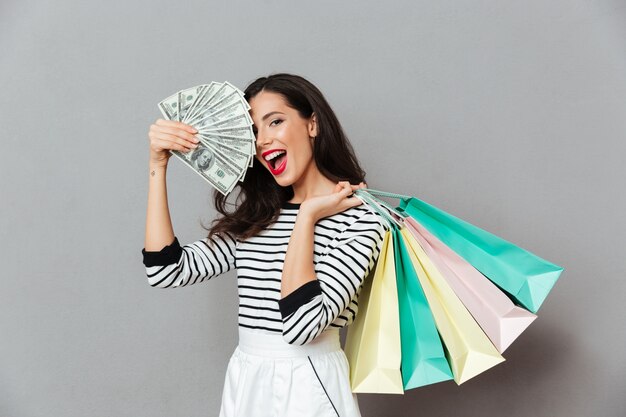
x,y
353,201
345,191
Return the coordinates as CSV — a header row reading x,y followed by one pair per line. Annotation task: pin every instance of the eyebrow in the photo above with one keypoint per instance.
x,y
269,114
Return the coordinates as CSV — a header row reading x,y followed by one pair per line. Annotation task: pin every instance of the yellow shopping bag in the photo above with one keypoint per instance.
x,y
373,339
468,349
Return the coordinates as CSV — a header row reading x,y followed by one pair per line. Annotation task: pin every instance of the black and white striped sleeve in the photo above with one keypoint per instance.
x,y
310,309
176,266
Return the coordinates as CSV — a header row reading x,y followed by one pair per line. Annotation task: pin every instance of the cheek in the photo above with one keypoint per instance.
x,y
303,156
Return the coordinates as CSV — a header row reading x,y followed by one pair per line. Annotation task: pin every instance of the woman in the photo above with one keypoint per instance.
x,y
301,243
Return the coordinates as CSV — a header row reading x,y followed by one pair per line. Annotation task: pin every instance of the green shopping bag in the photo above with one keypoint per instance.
x,y
423,358
525,276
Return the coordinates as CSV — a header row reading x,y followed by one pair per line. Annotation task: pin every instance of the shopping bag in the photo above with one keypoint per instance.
x,y
523,275
501,320
423,357
373,339
469,350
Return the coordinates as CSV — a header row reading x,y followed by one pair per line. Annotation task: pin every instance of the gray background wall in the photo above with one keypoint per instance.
x,y
508,114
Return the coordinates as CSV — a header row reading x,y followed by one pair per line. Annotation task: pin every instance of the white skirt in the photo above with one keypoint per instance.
x,y
268,377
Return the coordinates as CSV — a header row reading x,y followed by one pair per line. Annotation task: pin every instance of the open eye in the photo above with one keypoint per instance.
x,y
276,120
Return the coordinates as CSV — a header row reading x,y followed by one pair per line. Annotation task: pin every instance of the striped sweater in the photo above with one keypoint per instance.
x,y
346,247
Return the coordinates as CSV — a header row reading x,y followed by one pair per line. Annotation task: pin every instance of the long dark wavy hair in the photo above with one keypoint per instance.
x,y
260,197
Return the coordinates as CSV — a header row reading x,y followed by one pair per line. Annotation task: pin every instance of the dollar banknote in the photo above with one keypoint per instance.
x,y
169,107
209,165
227,145
201,103
186,98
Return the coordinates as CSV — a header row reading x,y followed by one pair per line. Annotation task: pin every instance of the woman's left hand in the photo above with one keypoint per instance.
x,y
327,205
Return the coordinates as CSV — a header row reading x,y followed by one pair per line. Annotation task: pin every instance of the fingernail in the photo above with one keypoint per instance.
x,y
195,138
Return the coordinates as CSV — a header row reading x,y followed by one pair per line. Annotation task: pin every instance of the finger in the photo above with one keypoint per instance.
x,y
345,185
169,137
177,132
352,202
346,188
174,139
170,129
356,202
345,192
161,144
176,123
349,186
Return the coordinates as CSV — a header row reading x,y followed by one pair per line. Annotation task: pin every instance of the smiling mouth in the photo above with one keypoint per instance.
x,y
277,161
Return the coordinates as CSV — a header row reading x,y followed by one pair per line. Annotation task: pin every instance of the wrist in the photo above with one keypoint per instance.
x,y
158,160
306,217
156,169
157,164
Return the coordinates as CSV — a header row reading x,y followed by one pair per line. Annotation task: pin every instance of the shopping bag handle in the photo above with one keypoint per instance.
x,y
386,194
371,194
370,200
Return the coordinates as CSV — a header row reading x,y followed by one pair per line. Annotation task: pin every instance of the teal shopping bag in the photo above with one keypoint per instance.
x,y
522,274
423,358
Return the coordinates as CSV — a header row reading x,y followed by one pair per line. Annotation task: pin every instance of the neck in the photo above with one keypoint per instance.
x,y
312,183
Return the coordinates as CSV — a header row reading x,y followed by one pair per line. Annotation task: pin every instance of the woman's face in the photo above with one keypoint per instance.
x,y
280,130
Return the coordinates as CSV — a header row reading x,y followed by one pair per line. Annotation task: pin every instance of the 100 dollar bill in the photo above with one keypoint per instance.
x,y
219,112
206,163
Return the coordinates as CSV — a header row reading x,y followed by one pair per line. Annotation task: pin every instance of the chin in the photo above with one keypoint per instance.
x,y
284,181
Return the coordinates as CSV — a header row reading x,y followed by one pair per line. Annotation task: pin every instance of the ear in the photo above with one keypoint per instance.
x,y
312,126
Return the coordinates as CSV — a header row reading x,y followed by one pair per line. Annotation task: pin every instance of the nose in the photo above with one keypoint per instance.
x,y
262,140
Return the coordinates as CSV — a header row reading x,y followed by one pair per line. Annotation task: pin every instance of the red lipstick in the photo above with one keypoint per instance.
x,y
280,168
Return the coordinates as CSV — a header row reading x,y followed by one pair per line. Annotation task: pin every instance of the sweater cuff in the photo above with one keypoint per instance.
x,y
299,297
170,254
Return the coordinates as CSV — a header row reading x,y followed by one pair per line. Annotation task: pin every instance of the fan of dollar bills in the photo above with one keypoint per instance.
x,y
219,112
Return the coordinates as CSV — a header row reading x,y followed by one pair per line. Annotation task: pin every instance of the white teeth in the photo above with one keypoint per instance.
x,y
273,155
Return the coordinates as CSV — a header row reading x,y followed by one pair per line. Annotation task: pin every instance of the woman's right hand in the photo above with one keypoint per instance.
x,y
168,135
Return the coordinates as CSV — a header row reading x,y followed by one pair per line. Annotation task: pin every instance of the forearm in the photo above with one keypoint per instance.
x,y
159,231
298,268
